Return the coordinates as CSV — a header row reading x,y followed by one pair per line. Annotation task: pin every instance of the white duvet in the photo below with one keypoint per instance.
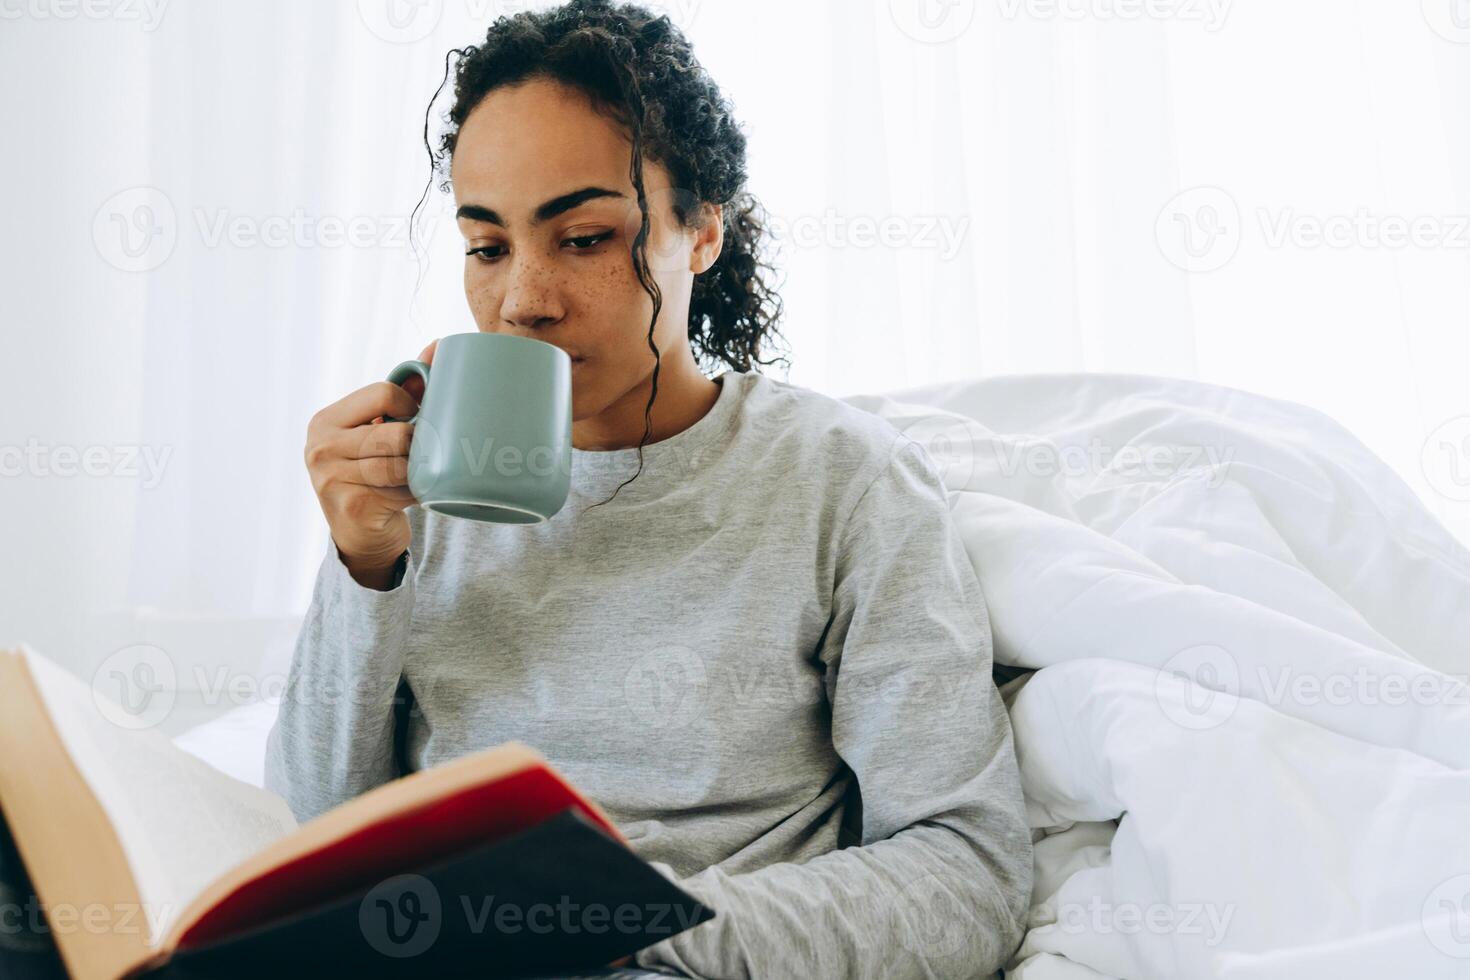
x,y
1245,750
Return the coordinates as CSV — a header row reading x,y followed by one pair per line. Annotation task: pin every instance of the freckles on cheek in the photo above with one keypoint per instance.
x,y
629,307
481,300
620,287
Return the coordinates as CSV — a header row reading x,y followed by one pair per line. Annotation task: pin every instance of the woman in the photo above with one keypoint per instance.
x,y
752,634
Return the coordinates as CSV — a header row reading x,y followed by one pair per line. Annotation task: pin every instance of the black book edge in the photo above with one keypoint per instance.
x,y
28,948
567,852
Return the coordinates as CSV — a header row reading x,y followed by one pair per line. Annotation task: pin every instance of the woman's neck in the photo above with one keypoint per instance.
x,y
685,396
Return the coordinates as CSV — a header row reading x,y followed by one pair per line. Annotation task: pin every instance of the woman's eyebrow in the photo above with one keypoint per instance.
x,y
547,211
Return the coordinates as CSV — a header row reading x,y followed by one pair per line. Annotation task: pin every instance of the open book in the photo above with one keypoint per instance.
x,y
146,859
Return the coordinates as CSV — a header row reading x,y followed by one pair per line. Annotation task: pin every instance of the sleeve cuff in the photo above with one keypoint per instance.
x,y
402,572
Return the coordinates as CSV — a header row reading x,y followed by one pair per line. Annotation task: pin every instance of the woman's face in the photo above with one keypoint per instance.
x,y
548,214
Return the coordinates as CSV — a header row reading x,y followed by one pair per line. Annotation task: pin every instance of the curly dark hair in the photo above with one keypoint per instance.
x,y
640,70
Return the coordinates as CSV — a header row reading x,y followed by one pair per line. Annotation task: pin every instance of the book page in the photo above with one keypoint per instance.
x,y
181,822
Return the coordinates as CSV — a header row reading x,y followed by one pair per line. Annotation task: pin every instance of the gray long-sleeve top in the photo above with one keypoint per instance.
x,y
768,659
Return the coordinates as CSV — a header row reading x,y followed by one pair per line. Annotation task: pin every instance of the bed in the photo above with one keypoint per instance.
x,y
1238,644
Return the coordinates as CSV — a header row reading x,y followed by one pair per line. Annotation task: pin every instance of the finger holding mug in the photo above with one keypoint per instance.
x,y
358,467
414,384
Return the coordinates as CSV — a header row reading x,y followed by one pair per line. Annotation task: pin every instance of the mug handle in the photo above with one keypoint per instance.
x,y
401,374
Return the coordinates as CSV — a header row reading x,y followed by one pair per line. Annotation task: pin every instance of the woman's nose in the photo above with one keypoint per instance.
x,y
532,294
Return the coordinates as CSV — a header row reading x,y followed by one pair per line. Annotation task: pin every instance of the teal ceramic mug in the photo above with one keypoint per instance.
x,y
492,438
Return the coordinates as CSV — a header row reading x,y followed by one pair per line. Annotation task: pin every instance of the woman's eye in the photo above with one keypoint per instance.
x,y
483,253
587,241
492,253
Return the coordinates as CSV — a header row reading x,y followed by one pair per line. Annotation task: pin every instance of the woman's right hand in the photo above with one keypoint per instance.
x,y
359,469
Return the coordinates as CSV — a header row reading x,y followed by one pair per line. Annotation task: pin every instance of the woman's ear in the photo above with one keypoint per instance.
x,y
709,239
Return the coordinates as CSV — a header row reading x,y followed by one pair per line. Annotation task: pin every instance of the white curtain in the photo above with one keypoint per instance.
x,y
206,242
